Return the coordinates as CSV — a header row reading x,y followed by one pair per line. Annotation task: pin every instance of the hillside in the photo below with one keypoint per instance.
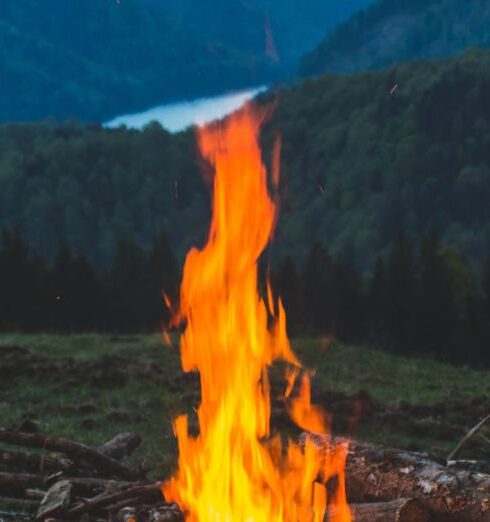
x,y
94,59
283,30
363,156
392,31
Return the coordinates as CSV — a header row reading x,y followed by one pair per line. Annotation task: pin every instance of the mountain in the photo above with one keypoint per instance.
x,y
282,30
390,31
363,157
92,59
95,59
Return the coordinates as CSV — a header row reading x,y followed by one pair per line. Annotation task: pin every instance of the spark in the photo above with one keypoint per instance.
x,y
394,88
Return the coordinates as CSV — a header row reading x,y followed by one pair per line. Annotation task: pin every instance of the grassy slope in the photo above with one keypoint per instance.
x,y
148,392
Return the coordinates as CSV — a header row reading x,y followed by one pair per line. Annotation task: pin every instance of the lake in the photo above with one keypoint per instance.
x,y
180,115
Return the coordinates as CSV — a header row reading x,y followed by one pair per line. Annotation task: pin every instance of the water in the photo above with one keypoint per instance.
x,y
178,116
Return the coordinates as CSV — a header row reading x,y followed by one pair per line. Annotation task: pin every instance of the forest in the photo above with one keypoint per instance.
x,y
363,157
423,299
384,227
111,57
394,31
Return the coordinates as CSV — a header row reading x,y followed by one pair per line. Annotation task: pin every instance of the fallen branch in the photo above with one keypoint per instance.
x,y
75,449
467,437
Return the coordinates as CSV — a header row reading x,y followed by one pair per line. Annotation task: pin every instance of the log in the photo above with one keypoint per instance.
x,y
382,474
15,485
401,510
74,449
11,461
105,502
56,499
122,445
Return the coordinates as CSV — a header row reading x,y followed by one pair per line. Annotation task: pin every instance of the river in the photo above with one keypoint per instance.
x,y
180,115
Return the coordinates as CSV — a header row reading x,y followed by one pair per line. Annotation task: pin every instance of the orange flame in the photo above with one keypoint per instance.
x,y
234,471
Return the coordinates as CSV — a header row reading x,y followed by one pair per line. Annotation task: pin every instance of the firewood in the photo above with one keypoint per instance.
x,y
106,502
121,445
87,486
401,510
74,449
383,474
56,499
15,484
11,461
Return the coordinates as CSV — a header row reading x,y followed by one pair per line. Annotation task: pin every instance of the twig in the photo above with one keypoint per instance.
x,y
467,437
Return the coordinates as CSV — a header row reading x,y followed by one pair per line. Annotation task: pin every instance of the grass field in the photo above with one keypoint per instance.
x,y
90,387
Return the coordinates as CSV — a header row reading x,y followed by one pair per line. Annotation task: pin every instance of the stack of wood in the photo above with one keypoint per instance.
x,y
72,481
68,480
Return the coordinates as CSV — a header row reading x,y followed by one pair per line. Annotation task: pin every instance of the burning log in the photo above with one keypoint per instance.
x,y
101,462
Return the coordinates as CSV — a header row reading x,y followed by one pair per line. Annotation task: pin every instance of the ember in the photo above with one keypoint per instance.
x,y
235,470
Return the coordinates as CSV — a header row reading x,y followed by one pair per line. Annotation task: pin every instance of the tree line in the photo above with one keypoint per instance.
x,y
425,300
362,157
70,294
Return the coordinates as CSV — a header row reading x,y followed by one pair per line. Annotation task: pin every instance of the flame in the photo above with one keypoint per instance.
x,y
234,470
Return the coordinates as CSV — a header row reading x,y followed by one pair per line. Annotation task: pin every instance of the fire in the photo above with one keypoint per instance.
x,y
235,470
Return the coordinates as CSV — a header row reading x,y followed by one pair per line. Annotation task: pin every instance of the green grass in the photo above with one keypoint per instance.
x,y
148,394
389,377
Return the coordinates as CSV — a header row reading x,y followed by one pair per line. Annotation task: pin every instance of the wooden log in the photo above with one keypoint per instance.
x,y
15,485
105,502
74,449
121,445
56,499
384,474
18,461
87,486
401,510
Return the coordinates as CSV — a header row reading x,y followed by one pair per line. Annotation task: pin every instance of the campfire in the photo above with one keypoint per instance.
x,y
235,469
232,466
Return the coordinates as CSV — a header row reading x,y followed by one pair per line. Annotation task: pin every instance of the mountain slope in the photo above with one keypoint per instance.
x,y
392,31
94,58
363,156
284,30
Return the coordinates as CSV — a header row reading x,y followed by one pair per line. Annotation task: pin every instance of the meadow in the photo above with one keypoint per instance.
x,y
91,387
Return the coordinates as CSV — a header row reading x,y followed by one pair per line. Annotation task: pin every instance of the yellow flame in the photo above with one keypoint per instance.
x,y
234,471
